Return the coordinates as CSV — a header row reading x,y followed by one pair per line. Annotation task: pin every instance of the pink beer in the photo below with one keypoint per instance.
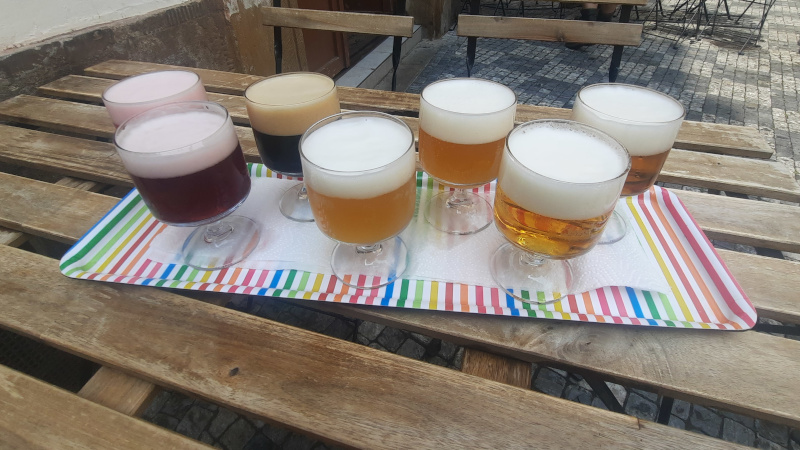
x,y
140,93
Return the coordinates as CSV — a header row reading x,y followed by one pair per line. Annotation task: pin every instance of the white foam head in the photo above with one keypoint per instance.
x,y
467,110
563,169
176,139
139,93
645,121
288,104
358,155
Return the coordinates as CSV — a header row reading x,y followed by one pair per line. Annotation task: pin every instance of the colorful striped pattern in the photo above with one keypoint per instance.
x,y
704,293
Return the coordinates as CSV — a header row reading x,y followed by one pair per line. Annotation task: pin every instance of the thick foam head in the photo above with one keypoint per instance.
x,y
562,169
467,110
137,94
288,104
175,140
645,121
358,155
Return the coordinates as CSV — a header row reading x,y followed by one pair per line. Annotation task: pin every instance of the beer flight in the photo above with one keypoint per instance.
x,y
558,181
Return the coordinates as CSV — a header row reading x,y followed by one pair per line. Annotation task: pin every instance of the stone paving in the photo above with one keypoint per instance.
x,y
715,82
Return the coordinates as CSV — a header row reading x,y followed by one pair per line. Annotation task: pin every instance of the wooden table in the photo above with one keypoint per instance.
x,y
339,391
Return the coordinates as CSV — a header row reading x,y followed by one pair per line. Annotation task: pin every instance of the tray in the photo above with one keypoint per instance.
x,y
703,293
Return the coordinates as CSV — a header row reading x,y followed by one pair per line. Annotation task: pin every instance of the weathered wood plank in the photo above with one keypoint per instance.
x,y
764,178
118,391
34,414
348,22
743,221
11,238
497,368
549,30
296,378
771,284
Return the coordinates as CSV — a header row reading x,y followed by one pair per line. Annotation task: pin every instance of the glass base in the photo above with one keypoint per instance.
x,y
524,276
294,204
458,212
615,229
359,265
221,244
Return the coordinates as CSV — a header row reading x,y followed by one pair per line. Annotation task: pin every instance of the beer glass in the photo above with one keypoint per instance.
x,y
360,171
281,108
558,184
463,123
137,94
188,166
645,121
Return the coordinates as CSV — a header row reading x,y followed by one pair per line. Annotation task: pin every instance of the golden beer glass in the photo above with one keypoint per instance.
x,y
463,123
281,108
360,173
558,184
644,120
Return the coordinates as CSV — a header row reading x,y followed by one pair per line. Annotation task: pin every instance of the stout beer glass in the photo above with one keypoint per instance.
x,y
463,123
281,108
139,93
559,181
188,166
360,171
645,121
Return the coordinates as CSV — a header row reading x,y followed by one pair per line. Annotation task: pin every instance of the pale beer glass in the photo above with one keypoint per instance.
x,y
281,108
360,172
463,123
559,181
643,120
139,93
187,164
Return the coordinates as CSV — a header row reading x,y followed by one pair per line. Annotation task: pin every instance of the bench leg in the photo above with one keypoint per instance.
x,y
616,56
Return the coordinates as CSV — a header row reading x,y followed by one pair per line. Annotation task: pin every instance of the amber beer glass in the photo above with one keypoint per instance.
x,y
559,181
463,123
281,108
360,172
139,93
645,121
188,166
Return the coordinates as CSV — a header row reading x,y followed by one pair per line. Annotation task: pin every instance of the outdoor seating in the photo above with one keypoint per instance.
x,y
348,394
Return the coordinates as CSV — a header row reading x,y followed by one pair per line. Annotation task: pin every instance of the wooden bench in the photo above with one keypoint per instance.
x,y
629,355
619,34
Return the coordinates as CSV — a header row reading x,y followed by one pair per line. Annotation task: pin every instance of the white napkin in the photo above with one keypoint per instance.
x,y
433,255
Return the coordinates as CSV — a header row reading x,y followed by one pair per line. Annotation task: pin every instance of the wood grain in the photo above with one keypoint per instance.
x,y
118,391
497,368
334,390
549,30
348,22
36,415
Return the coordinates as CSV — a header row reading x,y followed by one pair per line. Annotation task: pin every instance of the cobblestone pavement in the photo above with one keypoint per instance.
x,y
716,83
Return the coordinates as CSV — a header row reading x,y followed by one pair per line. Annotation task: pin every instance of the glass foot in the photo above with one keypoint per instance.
x,y
294,204
530,278
221,244
615,229
370,266
458,212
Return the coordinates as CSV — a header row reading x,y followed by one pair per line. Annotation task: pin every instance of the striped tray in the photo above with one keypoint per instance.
x,y
704,293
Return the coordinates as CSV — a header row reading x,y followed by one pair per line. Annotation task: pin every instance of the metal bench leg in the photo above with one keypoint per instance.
x,y
604,393
616,56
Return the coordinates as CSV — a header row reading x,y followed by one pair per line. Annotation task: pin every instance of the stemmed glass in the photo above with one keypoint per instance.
x,y
360,173
137,94
463,123
645,121
281,108
559,181
186,162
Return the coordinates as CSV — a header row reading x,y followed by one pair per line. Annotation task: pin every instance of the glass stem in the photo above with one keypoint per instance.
x,y
374,248
459,199
531,259
302,194
217,232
